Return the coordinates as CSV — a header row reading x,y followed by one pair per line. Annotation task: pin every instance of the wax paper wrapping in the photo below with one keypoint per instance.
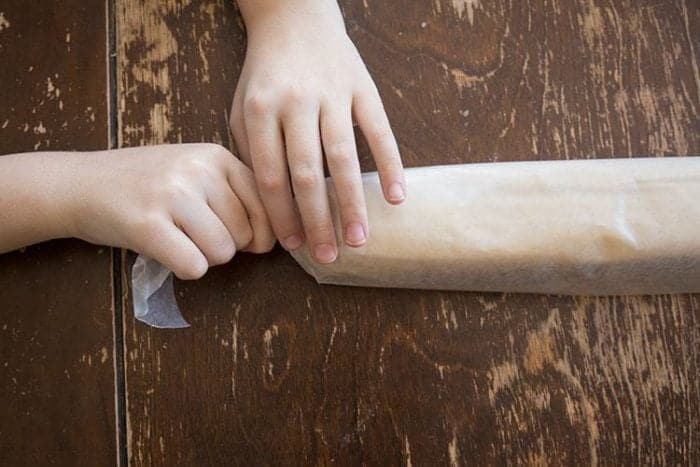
x,y
154,296
591,227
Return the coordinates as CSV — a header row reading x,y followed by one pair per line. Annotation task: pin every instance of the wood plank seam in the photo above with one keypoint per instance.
x,y
117,253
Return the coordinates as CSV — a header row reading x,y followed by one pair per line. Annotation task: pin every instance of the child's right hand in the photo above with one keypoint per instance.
x,y
188,206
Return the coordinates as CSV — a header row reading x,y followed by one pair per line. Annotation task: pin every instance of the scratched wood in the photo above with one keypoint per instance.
x,y
56,324
279,370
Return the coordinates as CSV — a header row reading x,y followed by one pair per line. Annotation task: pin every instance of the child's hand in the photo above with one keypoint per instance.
x,y
301,85
188,206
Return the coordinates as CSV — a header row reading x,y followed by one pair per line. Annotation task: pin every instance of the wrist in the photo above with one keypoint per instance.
x,y
33,194
268,19
54,197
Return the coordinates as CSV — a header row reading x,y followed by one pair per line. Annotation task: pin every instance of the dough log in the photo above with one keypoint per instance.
x,y
590,227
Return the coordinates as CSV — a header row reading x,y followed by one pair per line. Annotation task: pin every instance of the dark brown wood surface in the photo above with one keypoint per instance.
x,y
279,370
56,315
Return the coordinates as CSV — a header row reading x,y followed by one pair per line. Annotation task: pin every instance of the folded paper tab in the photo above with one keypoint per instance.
x,y
154,296
591,227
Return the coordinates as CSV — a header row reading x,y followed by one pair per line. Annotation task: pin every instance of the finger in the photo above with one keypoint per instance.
x,y
242,183
271,175
238,130
164,242
372,119
341,154
306,167
227,207
207,231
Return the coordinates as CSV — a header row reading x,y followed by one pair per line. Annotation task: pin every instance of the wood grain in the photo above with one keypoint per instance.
x,y
279,370
56,323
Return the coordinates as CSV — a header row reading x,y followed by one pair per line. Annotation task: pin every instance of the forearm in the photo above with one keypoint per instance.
x,y
34,199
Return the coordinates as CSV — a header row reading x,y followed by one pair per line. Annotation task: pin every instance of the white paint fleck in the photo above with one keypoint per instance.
x,y
40,129
453,319
407,449
104,354
267,341
460,6
501,377
453,450
4,23
487,305
464,80
159,117
51,89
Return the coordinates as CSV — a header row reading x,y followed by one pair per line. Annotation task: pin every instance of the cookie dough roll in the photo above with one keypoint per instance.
x,y
590,227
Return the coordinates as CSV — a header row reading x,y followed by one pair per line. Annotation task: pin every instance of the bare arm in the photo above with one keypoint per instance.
x,y
34,200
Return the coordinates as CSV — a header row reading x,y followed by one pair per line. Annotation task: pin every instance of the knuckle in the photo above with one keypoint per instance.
x,y
305,177
341,152
211,147
213,156
217,150
322,233
257,103
380,132
350,208
390,167
199,167
175,190
297,96
269,181
223,252
237,166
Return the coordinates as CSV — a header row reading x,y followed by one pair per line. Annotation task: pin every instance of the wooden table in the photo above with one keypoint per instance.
x,y
278,370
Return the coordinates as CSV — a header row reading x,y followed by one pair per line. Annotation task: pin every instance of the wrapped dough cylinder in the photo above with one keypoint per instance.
x,y
591,227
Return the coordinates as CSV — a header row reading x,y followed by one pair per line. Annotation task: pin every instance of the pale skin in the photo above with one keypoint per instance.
x,y
302,85
189,206
193,206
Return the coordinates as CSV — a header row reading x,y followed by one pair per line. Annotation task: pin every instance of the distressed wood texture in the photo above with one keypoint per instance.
x,y
56,322
279,370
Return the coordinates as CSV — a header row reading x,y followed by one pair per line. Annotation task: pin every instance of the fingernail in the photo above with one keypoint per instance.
x,y
325,253
292,242
355,234
396,192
